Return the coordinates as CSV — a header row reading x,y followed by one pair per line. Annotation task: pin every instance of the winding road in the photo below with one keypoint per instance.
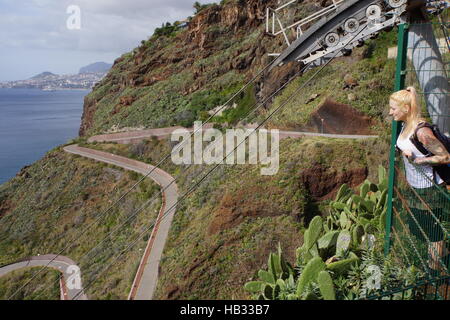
x,y
66,266
146,277
144,283
162,133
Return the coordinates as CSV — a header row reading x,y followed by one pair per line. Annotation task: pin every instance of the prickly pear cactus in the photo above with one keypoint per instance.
x,y
268,292
364,189
328,240
343,242
270,284
326,286
274,265
352,222
341,267
309,274
314,231
343,190
357,234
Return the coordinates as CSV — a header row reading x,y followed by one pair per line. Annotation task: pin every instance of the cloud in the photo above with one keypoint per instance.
x,y
34,35
143,10
106,25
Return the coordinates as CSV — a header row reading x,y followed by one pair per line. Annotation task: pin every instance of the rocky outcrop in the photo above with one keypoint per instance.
x,y
234,208
323,183
339,118
210,32
89,109
5,207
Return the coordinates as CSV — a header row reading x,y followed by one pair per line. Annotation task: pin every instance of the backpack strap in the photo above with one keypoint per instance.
x,y
442,170
415,140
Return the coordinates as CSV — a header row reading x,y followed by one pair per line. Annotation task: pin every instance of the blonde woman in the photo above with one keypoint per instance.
x,y
421,174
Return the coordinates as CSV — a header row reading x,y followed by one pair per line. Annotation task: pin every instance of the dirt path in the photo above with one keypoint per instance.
x,y
162,133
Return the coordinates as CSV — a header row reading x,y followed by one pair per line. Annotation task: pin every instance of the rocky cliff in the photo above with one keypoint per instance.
x,y
155,84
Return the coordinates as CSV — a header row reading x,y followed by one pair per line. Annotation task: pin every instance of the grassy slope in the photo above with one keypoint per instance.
x,y
60,195
163,103
45,285
224,230
368,65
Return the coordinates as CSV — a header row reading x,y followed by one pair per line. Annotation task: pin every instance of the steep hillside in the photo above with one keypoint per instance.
x,y
46,206
225,229
180,73
45,286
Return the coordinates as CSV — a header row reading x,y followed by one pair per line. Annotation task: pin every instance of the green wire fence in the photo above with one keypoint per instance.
x,y
418,218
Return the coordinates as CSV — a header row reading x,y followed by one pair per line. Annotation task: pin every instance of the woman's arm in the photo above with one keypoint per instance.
x,y
432,144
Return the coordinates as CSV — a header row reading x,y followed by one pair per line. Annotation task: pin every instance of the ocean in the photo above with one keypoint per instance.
x,y
33,122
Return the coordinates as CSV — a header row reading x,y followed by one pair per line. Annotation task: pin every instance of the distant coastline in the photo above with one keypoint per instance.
x,y
83,81
86,79
61,89
48,90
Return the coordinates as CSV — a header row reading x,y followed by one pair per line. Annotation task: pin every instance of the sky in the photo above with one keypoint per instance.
x,y
50,35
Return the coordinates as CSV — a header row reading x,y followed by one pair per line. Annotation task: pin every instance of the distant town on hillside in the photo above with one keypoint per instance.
x,y
86,78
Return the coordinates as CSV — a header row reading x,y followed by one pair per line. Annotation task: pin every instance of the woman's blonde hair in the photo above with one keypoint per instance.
x,y
408,98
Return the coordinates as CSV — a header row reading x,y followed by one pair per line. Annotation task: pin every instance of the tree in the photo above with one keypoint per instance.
x,y
198,7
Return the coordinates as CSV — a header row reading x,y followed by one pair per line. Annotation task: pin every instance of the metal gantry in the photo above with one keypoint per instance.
x,y
331,27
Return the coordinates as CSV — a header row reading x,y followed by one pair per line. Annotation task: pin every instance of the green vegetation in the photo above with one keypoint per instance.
x,y
167,29
200,7
368,66
338,253
46,207
45,285
245,102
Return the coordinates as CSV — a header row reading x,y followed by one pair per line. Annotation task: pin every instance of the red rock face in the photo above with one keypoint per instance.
x,y
87,118
233,208
323,183
339,119
5,207
196,43
206,35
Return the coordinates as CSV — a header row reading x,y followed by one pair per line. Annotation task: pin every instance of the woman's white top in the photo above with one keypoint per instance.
x,y
415,177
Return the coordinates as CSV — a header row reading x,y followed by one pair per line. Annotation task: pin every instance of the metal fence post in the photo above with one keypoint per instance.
x,y
400,76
